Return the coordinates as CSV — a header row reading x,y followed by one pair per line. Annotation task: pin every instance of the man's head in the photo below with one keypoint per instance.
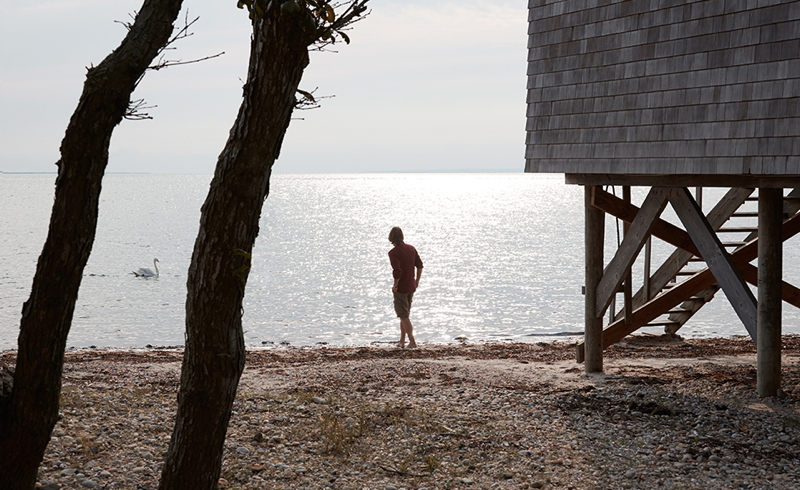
x,y
396,236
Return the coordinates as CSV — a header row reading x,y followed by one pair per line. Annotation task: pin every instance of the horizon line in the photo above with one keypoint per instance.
x,y
418,171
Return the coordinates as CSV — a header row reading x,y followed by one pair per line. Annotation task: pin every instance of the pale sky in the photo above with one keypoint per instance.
x,y
424,86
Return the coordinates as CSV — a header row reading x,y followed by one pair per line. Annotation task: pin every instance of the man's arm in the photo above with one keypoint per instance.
x,y
396,271
418,266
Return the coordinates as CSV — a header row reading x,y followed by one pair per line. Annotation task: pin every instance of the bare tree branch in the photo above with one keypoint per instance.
x,y
135,107
181,33
133,112
308,101
126,24
354,12
167,63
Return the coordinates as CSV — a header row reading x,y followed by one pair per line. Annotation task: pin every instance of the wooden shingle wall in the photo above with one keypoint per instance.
x,y
664,87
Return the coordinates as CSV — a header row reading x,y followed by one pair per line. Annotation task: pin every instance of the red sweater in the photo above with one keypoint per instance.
x,y
404,259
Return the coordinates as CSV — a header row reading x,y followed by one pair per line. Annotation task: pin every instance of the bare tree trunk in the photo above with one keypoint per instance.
x,y
214,356
28,418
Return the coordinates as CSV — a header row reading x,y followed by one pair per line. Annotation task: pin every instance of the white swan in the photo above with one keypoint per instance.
x,y
146,271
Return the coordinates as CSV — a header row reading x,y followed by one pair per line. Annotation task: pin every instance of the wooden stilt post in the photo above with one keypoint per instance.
x,y
593,329
770,268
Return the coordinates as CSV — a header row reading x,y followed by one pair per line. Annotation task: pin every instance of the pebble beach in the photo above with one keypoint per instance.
x,y
666,413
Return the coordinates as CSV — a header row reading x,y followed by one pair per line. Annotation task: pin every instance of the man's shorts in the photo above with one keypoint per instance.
x,y
402,304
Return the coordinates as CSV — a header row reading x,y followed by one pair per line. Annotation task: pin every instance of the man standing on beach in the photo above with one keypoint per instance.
x,y
404,259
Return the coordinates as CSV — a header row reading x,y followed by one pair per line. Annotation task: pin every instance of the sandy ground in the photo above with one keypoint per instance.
x,y
666,413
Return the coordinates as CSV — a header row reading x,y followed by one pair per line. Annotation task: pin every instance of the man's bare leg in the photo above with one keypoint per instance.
x,y
407,329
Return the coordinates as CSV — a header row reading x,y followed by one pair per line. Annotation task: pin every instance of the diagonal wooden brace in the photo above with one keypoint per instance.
x,y
718,215
627,212
718,259
629,249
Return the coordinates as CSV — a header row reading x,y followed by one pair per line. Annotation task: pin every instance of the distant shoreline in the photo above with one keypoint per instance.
x,y
741,343
645,345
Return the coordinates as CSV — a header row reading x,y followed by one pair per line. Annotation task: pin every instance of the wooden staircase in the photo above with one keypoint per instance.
x,y
732,229
676,267
683,283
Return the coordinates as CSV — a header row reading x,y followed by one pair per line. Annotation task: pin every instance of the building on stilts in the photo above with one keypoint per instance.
x,y
668,98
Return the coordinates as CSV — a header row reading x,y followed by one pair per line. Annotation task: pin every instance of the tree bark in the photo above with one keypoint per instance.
x,y
27,419
215,354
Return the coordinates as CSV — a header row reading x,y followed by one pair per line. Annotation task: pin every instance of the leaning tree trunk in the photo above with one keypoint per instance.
x,y
27,419
215,354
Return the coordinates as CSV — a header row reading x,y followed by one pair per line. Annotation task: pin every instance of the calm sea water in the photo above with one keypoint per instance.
x,y
503,259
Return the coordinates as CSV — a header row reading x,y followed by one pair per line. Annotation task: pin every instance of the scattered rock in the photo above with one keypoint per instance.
x,y
439,418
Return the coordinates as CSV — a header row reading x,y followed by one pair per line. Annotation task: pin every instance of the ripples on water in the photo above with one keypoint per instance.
x,y
503,258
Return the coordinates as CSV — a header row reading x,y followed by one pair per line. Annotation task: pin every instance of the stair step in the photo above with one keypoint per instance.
x,y
696,259
745,214
785,198
733,244
687,273
738,229
679,310
662,324
692,298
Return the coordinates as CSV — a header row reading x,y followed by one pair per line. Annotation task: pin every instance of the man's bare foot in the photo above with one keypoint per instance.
x,y
412,345
402,345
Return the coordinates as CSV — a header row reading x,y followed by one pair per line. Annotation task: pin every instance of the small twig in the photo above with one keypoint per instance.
x,y
398,472
127,25
184,31
556,392
453,432
133,111
355,11
308,101
165,64
351,15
